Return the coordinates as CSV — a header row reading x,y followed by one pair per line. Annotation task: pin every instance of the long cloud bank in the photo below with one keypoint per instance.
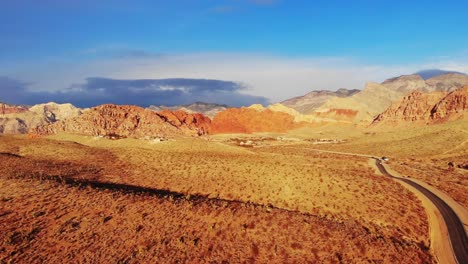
x,y
143,92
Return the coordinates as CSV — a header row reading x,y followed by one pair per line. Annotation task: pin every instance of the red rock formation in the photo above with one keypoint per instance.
x,y
130,121
193,121
416,106
426,108
451,106
248,120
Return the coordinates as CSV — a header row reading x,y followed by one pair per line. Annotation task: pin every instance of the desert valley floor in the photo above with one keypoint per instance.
x,y
263,197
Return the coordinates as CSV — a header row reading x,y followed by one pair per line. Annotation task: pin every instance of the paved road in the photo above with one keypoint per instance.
x,y
456,231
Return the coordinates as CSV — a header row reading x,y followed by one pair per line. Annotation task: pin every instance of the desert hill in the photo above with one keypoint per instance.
x,y
447,82
406,83
426,108
306,104
372,100
252,119
19,119
206,109
129,121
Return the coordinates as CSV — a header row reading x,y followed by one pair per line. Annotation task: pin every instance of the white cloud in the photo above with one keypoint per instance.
x,y
274,77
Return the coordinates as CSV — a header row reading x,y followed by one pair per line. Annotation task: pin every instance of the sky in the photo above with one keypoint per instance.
x,y
234,52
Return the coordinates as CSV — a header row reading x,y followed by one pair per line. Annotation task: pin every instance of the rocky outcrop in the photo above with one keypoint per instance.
x,y
13,126
416,106
250,120
56,112
20,119
192,121
452,106
426,108
129,121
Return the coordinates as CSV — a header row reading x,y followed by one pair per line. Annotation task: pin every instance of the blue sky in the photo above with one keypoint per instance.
x,y
357,41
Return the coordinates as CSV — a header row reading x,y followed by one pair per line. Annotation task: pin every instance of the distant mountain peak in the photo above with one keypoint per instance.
x,y
429,73
404,78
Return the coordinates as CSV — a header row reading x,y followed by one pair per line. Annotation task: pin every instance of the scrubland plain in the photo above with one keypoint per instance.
x,y
137,200
431,154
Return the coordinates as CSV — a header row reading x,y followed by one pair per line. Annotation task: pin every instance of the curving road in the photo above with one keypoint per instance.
x,y
456,230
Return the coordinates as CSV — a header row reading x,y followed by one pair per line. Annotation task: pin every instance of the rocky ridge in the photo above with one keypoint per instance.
x,y
452,106
129,121
426,108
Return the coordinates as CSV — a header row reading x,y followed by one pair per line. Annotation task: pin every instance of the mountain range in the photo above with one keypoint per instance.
x,y
407,99
129,121
377,97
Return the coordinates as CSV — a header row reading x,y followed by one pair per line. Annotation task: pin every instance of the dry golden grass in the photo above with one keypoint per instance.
x,y
436,172
332,190
422,153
